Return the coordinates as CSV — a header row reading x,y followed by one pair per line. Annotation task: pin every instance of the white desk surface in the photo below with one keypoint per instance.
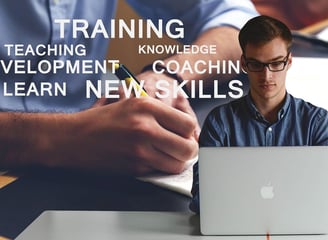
x,y
99,225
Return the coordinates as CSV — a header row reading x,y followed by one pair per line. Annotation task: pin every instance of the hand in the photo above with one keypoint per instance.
x,y
179,102
132,136
150,80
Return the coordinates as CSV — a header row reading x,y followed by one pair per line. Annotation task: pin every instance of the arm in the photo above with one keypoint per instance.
x,y
320,132
146,136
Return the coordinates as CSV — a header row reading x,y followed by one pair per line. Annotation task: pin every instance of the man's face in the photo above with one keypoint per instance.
x,y
266,84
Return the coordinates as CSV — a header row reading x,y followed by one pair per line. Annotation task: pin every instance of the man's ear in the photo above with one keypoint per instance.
x,y
290,60
243,64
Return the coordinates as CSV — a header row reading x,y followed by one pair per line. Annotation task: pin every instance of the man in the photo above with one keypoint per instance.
x,y
131,136
268,115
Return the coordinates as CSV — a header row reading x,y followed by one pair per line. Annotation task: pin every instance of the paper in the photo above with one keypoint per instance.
x,y
180,183
323,35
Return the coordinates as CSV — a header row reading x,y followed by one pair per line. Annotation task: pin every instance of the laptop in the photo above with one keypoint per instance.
x,y
263,190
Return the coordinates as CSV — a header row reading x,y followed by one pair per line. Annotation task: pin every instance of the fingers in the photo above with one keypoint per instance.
x,y
179,102
158,136
183,104
166,135
170,150
175,146
100,102
158,160
173,119
171,129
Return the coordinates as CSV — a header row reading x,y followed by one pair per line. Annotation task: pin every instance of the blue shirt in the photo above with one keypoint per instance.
x,y
239,123
32,22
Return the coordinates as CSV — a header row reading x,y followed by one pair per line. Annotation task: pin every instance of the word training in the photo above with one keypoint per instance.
x,y
120,28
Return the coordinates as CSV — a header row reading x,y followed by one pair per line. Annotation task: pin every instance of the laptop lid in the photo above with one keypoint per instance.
x,y
261,190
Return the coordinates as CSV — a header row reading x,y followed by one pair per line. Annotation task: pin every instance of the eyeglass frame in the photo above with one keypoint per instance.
x,y
284,61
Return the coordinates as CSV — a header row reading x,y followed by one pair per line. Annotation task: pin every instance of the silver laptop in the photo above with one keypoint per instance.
x,y
263,190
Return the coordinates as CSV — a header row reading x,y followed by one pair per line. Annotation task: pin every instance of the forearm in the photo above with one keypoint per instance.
x,y
29,138
147,135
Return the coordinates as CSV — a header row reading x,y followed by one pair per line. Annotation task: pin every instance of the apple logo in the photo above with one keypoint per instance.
x,y
267,191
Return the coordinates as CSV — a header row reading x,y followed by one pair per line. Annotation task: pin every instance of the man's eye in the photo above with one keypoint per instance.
x,y
276,64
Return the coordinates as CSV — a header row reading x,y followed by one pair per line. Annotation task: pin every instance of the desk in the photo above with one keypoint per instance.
x,y
27,197
67,225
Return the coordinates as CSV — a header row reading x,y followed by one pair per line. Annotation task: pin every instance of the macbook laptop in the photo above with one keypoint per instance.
x,y
263,190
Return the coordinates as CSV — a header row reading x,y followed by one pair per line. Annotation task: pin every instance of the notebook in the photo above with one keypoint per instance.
x,y
263,190
180,183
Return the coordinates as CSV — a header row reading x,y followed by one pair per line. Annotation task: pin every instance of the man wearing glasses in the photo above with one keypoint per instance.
x,y
268,115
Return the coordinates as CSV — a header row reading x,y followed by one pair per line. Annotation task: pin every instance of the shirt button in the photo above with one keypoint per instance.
x,y
270,129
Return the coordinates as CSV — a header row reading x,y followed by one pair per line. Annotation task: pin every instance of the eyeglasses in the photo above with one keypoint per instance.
x,y
276,66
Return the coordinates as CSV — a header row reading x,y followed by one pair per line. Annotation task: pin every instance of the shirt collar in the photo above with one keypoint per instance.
x,y
258,116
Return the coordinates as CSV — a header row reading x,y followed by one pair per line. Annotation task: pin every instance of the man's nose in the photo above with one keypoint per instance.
x,y
266,72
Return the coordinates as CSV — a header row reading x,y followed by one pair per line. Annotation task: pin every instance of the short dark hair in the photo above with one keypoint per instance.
x,y
262,29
